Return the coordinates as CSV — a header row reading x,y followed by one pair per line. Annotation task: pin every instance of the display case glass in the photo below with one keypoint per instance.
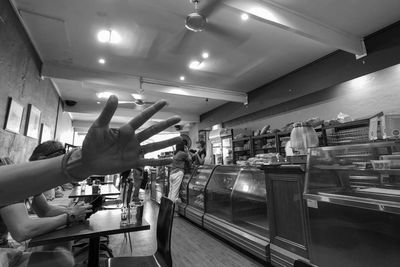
x,y
238,195
184,185
364,175
197,185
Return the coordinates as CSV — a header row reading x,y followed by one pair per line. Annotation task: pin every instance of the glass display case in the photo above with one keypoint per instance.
x,y
194,210
236,207
238,195
353,198
183,191
197,185
368,174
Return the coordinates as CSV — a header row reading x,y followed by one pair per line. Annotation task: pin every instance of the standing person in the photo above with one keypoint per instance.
x,y
181,159
200,155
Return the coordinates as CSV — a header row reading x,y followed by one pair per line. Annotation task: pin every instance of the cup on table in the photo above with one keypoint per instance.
x,y
96,187
135,212
83,185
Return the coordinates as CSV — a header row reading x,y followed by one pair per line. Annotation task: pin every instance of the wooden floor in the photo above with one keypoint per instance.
x,y
191,246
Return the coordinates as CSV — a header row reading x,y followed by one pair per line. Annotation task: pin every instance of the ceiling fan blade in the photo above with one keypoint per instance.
x,y
181,41
210,8
231,36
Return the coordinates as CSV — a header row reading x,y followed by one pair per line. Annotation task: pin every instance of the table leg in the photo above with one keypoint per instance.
x,y
94,251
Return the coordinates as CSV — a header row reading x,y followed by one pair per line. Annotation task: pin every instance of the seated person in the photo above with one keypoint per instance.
x,y
14,218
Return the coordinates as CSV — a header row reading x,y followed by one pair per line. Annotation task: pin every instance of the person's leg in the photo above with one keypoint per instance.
x,y
175,184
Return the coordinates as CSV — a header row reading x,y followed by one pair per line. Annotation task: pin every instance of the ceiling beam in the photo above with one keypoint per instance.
x,y
83,126
100,79
274,14
130,113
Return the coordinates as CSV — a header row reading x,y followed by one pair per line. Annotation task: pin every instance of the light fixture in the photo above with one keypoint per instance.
x,y
102,61
104,95
137,96
109,36
182,78
205,55
244,16
195,65
98,102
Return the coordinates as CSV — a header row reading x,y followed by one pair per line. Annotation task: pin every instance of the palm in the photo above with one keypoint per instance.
x,y
107,151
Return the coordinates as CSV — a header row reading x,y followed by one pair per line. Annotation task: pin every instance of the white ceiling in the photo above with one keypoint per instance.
x,y
254,53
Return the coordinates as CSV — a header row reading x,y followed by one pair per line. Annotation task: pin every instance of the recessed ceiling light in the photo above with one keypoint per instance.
x,y
205,55
195,65
182,78
137,96
244,16
98,102
102,61
105,95
109,36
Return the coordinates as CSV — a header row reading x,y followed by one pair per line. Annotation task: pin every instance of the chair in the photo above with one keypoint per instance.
x,y
162,257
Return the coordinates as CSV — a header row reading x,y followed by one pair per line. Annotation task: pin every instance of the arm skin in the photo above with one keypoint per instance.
x,y
29,179
44,209
200,158
22,227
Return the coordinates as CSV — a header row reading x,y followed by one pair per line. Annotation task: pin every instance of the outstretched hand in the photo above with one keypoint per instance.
x,y
106,150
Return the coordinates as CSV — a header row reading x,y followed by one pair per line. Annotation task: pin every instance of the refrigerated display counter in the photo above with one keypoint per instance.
x,y
183,195
353,200
195,193
236,208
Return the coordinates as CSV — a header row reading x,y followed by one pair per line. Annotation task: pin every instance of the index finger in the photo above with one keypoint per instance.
x,y
139,120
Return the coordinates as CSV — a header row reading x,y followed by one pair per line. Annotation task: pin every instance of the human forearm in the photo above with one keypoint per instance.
x,y
42,174
38,226
54,211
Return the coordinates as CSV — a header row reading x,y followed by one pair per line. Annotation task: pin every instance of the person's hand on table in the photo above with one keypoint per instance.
x,y
106,150
80,210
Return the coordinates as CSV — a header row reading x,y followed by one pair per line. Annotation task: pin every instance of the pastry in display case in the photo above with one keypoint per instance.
x,y
196,189
236,208
353,200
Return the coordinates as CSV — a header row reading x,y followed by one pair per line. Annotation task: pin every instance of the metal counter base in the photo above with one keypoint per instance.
x,y
350,236
253,243
182,209
194,215
283,257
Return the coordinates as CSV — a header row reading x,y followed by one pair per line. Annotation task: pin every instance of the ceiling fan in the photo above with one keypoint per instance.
x,y
138,98
198,21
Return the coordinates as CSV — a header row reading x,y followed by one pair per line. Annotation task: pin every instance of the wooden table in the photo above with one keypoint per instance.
x,y
104,222
105,190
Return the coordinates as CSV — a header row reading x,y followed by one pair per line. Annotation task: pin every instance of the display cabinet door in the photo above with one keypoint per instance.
x,y
287,212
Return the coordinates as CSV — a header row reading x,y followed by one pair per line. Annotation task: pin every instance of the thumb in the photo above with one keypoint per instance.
x,y
107,113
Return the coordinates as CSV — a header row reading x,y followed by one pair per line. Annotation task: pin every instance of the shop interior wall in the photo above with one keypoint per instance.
x,y
359,98
20,79
383,51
